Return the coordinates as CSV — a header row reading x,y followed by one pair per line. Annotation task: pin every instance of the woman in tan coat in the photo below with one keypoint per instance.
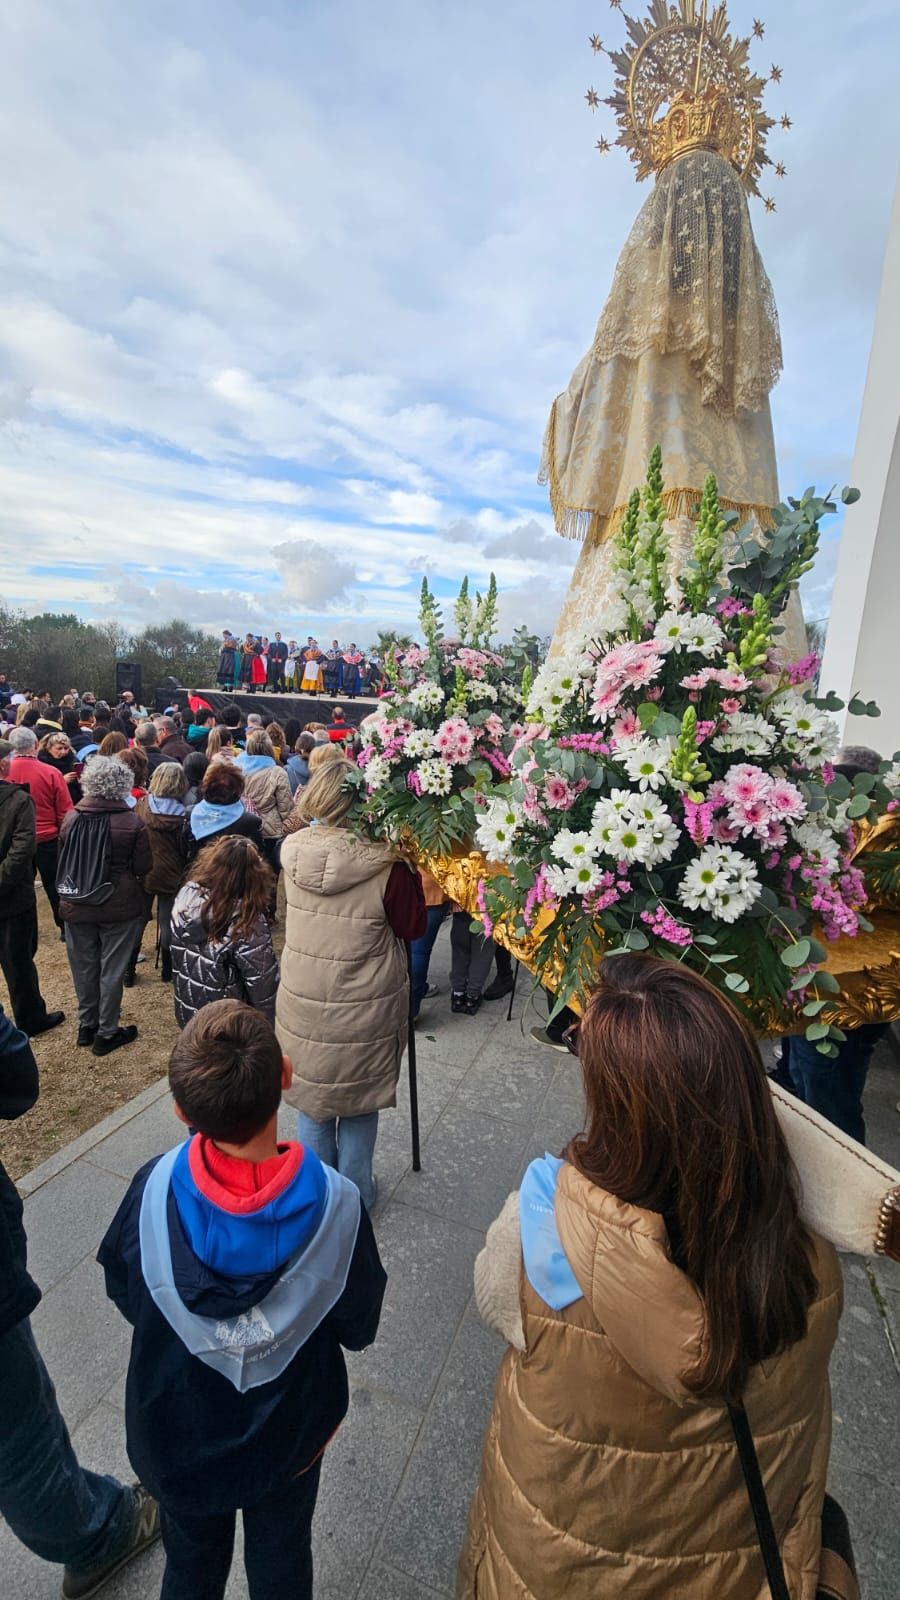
x,y
343,1001
266,787
657,1272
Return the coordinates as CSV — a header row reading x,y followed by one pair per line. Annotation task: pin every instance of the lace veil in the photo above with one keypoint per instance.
x,y
691,279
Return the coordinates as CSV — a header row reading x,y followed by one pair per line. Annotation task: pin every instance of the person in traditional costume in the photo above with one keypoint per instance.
x,y
687,349
350,677
312,682
294,668
257,667
333,668
226,671
248,649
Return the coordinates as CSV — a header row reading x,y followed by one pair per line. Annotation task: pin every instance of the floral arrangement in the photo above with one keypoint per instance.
x,y
444,725
673,789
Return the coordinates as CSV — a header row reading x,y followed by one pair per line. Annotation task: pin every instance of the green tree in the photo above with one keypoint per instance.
x,y
175,649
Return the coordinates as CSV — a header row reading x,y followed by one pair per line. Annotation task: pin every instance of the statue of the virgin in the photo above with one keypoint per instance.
x,y
687,349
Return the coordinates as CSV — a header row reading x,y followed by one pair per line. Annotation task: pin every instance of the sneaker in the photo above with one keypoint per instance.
x,y
458,1001
541,1036
431,990
51,1020
79,1583
498,989
473,1004
86,1036
106,1043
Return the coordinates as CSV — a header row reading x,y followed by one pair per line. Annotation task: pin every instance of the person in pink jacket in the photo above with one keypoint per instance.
x,y
52,800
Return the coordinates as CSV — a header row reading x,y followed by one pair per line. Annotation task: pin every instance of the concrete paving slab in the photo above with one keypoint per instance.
x,y
67,1217
469,1165
83,1340
126,1151
427,1525
429,1262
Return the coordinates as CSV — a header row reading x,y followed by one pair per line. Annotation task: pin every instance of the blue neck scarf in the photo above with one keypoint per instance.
x,y
207,818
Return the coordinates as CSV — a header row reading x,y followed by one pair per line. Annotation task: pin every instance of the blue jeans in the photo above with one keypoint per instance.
x,y
833,1085
277,1546
56,1509
347,1144
420,953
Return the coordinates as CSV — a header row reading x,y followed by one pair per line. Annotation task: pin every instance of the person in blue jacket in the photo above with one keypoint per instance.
x,y
244,1266
89,1524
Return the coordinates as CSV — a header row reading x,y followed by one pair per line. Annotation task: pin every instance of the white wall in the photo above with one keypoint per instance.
x,y
862,652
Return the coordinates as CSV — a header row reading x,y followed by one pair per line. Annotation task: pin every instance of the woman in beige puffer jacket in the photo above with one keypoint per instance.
x,y
343,1001
266,786
656,1272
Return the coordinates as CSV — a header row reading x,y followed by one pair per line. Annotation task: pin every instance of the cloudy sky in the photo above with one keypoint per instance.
x,y
288,286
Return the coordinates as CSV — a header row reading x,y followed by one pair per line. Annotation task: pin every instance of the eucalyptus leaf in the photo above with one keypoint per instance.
x,y
796,955
858,806
850,496
736,983
813,1007
817,1030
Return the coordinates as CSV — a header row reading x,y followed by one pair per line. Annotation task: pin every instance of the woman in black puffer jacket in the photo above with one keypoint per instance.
x,y
221,941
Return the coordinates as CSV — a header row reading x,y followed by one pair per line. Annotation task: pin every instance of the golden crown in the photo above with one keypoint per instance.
x,y
683,83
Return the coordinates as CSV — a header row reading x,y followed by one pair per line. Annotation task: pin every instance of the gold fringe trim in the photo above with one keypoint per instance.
x,y
586,522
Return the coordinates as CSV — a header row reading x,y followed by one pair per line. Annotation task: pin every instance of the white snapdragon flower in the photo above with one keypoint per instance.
x,y
426,696
613,615
647,762
419,743
435,776
721,881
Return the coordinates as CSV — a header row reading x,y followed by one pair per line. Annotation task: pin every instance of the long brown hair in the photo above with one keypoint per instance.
x,y
680,1120
238,883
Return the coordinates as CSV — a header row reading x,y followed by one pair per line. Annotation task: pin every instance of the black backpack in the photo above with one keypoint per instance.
x,y
84,870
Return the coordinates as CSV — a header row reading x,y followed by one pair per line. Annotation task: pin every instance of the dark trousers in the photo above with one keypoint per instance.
x,y
18,947
53,1506
833,1085
277,1546
471,955
46,856
276,677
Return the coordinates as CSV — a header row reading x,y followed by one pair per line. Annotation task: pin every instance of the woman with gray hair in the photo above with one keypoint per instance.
x,y
104,853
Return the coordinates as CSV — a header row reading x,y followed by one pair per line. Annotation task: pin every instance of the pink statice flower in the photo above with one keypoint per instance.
x,y
486,922
732,607
498,761
414,782
594,743
704,731
540,894
606,891
665,926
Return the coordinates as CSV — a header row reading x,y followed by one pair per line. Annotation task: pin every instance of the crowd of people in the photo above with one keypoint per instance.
x,y
655,1283
286,666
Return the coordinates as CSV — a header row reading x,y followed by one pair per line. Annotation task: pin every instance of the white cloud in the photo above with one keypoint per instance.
x,y
263,282
312,574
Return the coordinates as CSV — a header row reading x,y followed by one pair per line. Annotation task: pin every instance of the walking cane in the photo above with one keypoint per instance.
x,y
413,1081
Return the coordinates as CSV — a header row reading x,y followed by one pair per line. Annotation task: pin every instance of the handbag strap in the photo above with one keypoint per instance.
x,y
759,1504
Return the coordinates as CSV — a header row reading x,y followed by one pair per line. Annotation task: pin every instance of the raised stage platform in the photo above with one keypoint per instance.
x,y
278,707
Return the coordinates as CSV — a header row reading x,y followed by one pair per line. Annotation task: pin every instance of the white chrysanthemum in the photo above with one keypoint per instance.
x,y
670,630
662,835
647,762
554,687
477,689
510,693
496,829
377,772
721,881
561,880
426,696
574,848
435,776
891,778
703,635
628,841
748,732
819,843
419,743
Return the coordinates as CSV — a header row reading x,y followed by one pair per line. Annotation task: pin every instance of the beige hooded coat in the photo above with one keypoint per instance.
x,y
343,1000
602,1477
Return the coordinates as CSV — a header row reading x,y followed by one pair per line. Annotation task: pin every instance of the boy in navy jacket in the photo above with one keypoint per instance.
x,y
244,1265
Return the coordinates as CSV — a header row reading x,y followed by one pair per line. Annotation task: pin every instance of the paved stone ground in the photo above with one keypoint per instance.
x,y
397,1482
